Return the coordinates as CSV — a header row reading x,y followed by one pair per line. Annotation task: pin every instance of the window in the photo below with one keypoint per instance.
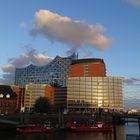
x,y
8,96
1,95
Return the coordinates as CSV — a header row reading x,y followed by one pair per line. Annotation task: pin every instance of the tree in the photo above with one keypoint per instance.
x,y
42,105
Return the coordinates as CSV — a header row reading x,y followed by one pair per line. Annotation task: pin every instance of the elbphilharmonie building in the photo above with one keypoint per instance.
x,y
53,73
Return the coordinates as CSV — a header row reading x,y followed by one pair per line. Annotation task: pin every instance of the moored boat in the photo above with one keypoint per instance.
x,y
34,129
98,127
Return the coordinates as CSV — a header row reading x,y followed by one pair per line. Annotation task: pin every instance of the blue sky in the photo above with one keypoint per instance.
x,y
119,18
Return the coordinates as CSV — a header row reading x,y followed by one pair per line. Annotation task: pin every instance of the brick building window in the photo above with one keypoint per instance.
x,y
8,96
1,95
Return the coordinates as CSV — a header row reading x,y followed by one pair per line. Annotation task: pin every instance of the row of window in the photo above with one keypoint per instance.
x,y
2,95
97,78
89,91
96,106
97,99
93,96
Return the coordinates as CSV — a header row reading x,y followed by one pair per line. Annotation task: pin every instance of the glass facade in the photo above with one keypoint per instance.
x,y
32,93
53,73
95,92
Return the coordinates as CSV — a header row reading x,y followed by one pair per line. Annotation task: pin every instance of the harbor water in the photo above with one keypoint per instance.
x,y
121,132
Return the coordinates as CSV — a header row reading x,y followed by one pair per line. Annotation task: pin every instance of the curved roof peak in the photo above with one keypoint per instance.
x,y
72,56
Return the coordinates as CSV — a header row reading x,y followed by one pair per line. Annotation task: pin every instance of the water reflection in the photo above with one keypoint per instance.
x,y
90,136
66,136
131,128
121,132
37,136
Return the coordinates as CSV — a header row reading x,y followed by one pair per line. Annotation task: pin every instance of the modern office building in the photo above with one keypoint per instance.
x,y
56,95
90,93
33,92
54,73
89,88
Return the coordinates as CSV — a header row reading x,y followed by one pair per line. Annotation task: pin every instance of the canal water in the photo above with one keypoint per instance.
x,y
121,130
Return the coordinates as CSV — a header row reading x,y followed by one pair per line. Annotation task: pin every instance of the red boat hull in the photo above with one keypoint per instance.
x,y
35,130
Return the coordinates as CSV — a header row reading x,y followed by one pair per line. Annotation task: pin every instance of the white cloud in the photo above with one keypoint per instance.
x,y
135,2
40,59
31,56
8,68
74,33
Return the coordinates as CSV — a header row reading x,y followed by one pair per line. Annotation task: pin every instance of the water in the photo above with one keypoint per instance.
x,y
121,130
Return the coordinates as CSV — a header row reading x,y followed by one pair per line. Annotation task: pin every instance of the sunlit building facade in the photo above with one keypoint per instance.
x,y
95,92
57,96
54,73
35,91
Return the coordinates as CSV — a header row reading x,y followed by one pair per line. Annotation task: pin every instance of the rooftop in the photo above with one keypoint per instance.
x,y
88,60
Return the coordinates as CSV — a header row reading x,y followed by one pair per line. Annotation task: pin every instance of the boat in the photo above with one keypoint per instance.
x,y
34,129
97,127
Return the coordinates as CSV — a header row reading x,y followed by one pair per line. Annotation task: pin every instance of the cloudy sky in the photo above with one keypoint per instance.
x,y
35,31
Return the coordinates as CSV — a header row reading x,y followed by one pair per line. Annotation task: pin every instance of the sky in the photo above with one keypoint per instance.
x,y
35,31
